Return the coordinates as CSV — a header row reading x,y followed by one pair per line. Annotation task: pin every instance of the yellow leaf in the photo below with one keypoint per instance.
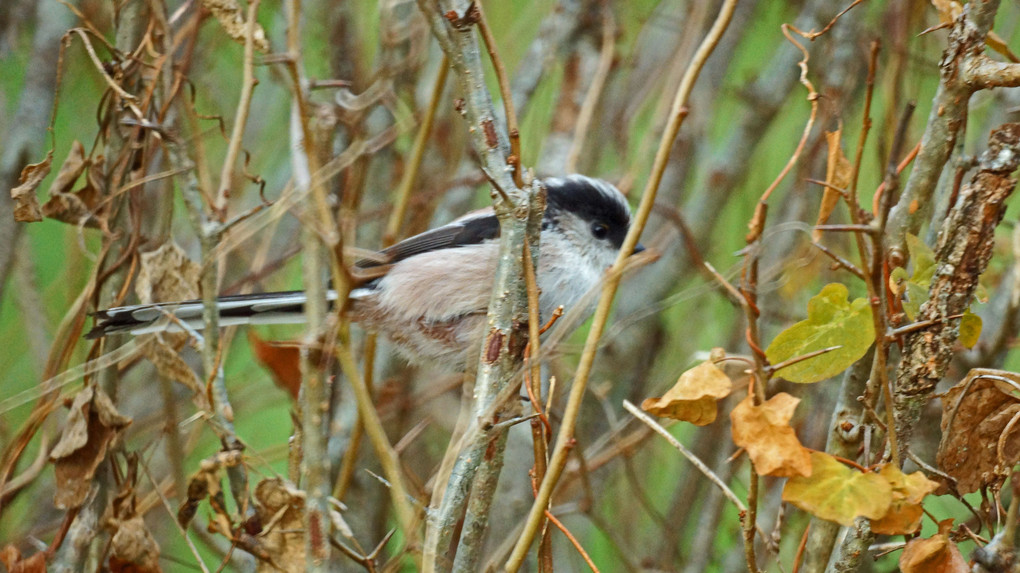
x,y
693,398
916,295
832,321
970,329
923,260
835,492
765,432
898,281
905,511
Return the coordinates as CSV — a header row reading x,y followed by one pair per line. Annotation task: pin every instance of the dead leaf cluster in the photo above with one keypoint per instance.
x,y
206,483
980,431
84,207
93,425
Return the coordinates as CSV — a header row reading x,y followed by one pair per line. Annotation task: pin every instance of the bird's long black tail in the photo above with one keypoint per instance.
x,y
265,308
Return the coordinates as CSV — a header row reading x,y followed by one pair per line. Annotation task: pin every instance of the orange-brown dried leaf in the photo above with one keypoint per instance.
x,y
26,206
282,360
70,170
285,542
164,356
133,549
693,398
92,424
905,512
167,273
972,427
765,432
85,207
11,559
9,555
937,554
835,492
837,176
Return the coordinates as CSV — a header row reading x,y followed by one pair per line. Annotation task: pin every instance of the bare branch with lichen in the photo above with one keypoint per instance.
x,y
959,80
474,476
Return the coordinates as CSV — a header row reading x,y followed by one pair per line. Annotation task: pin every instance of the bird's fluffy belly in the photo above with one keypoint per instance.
x,y
429,308
434,310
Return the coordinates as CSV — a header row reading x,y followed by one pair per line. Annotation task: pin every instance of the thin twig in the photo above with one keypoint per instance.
x,y
384,451
771,368
704,469
851,228
514,160
173,517
248,83
812,36
840,261
756,224
573,540
598,83
410,175
907,160
130,99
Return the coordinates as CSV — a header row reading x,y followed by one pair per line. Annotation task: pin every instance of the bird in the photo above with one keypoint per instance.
x,y
433,293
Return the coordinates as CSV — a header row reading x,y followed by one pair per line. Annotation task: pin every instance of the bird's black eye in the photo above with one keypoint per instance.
x,y
599,230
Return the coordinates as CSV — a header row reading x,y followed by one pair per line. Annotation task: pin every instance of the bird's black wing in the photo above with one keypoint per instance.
x,y
469,230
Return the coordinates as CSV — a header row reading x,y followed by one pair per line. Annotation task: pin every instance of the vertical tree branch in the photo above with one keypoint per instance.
x,y
845,435
948,109
209,232
314,393
965,246
87,526
452,23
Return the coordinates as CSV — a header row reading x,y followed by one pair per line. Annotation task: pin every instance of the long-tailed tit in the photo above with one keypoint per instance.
x,y
432,300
